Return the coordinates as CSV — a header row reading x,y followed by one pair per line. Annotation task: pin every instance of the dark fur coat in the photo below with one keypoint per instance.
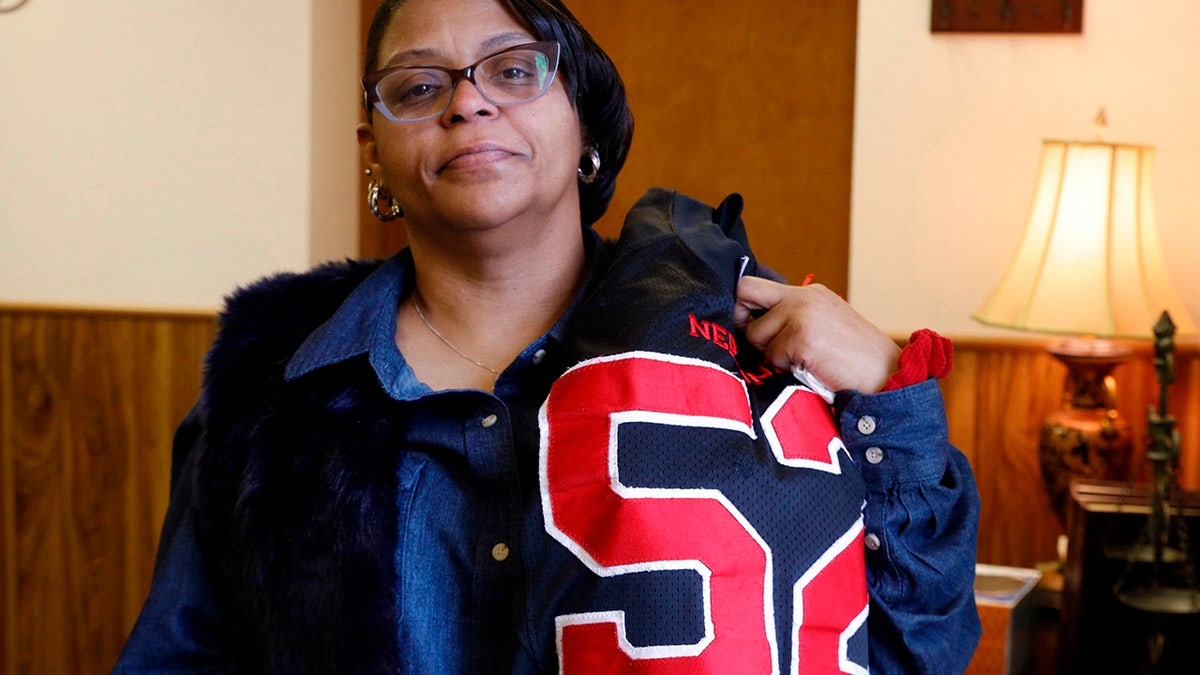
x,y
297,510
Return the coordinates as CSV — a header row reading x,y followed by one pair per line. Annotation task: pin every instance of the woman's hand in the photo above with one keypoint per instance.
x,y
812,327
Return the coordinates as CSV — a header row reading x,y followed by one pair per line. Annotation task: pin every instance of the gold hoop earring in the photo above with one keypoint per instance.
x,y
376,192
590,177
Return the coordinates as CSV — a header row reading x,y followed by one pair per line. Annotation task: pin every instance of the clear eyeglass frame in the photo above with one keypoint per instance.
x,y
447,80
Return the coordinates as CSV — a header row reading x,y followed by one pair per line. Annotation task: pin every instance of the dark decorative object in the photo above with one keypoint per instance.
x,y
1006,16
1131,601
1160,577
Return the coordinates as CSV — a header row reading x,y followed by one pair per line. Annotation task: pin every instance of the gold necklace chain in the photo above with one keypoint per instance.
x,y
421,315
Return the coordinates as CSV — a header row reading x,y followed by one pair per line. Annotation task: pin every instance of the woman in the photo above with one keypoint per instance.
x,y
367,485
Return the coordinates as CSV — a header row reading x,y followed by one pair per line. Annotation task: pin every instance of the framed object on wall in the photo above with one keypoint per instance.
x,y
1006,16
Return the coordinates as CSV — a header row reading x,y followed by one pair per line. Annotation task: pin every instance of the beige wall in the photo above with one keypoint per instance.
x,y
158,154
948,131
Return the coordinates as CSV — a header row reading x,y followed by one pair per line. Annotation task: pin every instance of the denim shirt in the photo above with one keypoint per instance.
x,y
467,476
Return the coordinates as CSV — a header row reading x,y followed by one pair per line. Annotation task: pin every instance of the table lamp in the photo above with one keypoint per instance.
x,y
1089,267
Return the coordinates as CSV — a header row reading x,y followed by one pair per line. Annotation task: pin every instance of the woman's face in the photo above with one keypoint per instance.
x,y
477,165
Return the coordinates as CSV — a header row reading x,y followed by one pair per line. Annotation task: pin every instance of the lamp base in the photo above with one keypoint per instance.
x,y
1091,444
1087,438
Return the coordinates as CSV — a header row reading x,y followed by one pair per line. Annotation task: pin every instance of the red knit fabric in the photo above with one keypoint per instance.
x,y
927,355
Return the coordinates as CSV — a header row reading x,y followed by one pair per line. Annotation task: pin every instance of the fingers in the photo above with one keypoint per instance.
x,y
756,293
813,327
773,317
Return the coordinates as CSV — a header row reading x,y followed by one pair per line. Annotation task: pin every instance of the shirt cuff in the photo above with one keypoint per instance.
x,y
896,437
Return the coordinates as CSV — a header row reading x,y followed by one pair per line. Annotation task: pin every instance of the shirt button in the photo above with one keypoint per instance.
x,y
866,425
874,455
500,552
872,542
488,421
539,356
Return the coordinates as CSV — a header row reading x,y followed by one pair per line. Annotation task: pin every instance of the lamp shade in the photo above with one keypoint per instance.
x,y
1090,261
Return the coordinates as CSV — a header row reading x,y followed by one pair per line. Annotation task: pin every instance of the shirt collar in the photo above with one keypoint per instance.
x,y
365,323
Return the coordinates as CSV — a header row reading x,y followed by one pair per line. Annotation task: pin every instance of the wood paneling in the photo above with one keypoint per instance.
x,y
997,396
88,404
755,97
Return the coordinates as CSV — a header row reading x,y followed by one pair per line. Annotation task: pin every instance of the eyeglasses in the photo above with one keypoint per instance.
x,y
515,75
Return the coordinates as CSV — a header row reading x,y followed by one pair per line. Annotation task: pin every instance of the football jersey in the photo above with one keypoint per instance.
x,y
698,513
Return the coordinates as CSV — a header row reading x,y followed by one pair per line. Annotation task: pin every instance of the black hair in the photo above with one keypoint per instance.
x,y
591,79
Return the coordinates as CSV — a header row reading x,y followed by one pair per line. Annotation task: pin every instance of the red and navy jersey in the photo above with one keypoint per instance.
x,y
696,516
